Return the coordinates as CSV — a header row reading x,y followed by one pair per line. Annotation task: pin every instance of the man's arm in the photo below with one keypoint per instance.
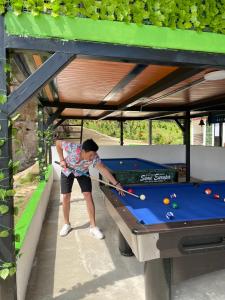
x,y
106,173
60,153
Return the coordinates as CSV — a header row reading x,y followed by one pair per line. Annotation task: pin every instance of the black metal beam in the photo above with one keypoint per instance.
x,y
21,64
8,287
36,81
111,107
188,146
180,125
150,132
208,103
58,123
123,82
77,105
96,118
121,133
155,108
54,116
170,80
143,55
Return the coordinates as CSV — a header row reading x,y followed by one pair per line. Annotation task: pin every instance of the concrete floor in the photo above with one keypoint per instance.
x,y
79,267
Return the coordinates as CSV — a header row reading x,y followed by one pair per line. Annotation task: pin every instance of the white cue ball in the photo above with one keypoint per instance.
x,y
142,197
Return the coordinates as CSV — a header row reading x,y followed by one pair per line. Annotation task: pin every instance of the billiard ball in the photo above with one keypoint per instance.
x,y
175,205
130,191
208,191
142,197
216,196
121,162
166,201
169,215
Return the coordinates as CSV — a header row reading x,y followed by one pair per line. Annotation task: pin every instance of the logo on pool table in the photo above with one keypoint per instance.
x,y
156,177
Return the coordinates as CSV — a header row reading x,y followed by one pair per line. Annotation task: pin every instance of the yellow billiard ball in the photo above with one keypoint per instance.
x,y
166,201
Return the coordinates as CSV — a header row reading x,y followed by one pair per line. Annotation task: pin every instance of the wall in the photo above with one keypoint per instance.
x,y
157,153
207,163
29,230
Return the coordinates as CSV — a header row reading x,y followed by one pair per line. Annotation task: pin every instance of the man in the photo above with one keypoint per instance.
x,y
80,158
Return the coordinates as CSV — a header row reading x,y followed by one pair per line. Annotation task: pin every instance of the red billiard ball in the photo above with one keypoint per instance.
x,y
130,191
208,191
216,196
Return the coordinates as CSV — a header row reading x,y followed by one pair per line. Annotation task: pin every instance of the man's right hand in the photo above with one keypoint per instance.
x,y
63,164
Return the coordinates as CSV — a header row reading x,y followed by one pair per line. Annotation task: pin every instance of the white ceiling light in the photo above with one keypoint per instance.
x,y
216,75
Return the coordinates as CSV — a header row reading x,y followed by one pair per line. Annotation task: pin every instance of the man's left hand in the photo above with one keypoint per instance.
x,y
120,187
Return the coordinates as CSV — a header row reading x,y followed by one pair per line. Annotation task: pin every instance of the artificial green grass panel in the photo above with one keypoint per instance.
x,y
24,222
68,28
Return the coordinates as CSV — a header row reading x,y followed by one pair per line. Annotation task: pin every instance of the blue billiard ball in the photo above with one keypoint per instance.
x,y
169,215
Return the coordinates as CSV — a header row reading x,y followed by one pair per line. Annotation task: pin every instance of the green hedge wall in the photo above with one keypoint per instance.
x,y
200,15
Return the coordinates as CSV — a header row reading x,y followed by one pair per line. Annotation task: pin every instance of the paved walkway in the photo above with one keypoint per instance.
x,y
78,266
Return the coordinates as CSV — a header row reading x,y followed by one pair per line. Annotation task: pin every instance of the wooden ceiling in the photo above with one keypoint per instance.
x,y
97,89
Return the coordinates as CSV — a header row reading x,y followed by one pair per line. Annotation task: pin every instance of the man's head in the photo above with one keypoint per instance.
x,y
89,149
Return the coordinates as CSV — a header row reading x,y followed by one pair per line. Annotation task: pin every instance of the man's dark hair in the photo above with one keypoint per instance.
x,y
89,145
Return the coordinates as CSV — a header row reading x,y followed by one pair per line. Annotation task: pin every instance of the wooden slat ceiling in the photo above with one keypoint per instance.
x,y
198,92
90,81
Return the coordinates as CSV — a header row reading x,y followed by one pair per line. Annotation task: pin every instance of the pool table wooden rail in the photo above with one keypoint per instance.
x,y
167,239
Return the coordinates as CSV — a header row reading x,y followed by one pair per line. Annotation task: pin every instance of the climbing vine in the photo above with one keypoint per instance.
x,y
200,15
7,268
45,136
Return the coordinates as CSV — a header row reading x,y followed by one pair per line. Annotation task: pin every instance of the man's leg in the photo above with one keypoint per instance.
x,y
90,207
86,188
66,207
66,187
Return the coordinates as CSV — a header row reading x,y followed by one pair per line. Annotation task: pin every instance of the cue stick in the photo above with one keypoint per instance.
x,y
99,180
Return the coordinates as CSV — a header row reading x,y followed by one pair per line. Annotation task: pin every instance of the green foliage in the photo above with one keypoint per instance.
x,y
4,209
200,15
7,268
3,99
163,132
14,165
4,233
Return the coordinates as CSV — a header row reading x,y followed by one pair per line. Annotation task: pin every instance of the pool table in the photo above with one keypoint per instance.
x,y
196,230
140,171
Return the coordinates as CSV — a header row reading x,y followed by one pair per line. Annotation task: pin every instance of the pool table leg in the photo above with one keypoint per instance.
x,y
157,275
124,248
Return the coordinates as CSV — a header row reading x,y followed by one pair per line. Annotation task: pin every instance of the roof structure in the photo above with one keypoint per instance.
x,y
120,71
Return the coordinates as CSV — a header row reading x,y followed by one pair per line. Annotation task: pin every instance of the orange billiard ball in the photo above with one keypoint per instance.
x,y
166,201
208,191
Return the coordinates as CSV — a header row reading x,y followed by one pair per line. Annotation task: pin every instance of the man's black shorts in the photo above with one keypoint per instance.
x,y
67,183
